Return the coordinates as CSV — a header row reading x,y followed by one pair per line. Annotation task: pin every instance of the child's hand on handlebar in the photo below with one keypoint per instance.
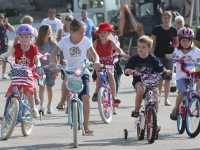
x,y
97,66
168,72
128,71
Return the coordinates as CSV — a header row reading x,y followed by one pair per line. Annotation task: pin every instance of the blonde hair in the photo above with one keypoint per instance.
x,y
76,25
2,15
43,30
26,20
68,16
167,13
146,39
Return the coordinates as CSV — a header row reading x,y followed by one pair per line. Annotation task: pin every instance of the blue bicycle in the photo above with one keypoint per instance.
x,y
16,111
75,107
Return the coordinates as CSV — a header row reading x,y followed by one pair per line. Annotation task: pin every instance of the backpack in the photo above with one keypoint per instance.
x,y
3,35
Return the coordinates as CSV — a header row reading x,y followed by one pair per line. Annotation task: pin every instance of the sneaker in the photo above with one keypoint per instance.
x,y
49,109
4,76
174,114
114,110
94,97
35,114
37,101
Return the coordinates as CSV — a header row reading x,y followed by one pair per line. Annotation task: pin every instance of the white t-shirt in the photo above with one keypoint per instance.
x,y
55,24
194,53
74,53
65,33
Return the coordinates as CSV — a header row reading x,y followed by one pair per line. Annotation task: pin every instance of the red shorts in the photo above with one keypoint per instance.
x,y
29,88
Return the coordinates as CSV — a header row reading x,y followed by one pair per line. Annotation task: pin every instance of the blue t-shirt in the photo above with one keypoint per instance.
x,y
89,28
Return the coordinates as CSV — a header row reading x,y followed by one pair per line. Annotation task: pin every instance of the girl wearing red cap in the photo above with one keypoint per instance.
x,y
104,48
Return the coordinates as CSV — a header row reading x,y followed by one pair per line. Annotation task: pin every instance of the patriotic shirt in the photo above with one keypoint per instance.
x,y
25,59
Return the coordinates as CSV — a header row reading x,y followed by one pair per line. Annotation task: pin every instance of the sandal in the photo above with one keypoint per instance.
x,y
60,106
116,101
89,132
94,97
167,103
135,114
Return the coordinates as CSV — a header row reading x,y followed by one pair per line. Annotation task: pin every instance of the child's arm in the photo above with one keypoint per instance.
x,y
8,53
95,57
119,50
37,61
52,57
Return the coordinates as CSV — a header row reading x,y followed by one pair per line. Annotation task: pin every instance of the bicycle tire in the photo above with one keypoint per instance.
x,y
180,124
151,125
189,131
140,132
75,122
27,123
6,134
105,109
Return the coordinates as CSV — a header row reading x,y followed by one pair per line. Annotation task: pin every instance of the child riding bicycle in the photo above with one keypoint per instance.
x,y
25,54
75,48
185,48
143,62
104,48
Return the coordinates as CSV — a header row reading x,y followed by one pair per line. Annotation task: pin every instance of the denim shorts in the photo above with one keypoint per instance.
x,y
181,84
86,89
168,64
3,49
48,81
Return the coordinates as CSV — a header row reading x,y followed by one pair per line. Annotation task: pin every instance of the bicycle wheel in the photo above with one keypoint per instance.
x,y
192,120
180,124
105,107
27,123
9,120
151,125
140,132
75,122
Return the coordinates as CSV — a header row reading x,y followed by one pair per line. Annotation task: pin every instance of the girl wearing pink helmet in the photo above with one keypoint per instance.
x,y
185,48
25,54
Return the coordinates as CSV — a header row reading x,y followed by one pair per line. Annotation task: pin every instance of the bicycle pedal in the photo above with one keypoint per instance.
x,y
135,114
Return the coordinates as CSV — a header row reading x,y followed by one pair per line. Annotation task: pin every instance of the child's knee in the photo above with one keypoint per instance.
x,y
140,90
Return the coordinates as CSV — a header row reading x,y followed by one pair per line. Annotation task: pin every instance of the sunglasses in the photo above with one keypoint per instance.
x,y
50,12
68,19
178,22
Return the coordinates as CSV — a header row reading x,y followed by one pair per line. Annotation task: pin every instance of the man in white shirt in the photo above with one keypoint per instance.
x,y
56,24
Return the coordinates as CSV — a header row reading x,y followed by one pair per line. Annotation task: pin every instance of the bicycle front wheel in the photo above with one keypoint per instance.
x,y
104,105
151,125
180,124
192,120
75,122
27,123
9,120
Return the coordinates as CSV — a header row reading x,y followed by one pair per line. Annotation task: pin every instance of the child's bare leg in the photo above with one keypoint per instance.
x,y
30,98
112,85
160,84
139,97
179,100
41,95
98,80
86,110
50,94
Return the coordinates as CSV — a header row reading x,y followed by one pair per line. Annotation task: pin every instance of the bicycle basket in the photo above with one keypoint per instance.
x,y
74,84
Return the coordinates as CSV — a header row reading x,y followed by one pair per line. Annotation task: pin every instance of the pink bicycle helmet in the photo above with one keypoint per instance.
x,y
24,29
186,33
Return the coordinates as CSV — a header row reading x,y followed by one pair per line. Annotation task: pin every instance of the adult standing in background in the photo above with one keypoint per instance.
x,y
56,24
89,24
165,39
179,22
4,26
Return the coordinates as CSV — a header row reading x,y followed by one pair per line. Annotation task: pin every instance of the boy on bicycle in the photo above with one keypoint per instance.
x,y
144,62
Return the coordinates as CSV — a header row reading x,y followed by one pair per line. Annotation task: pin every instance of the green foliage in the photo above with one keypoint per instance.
x,y
10,12
14,21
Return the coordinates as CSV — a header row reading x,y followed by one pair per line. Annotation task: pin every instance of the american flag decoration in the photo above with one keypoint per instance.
x,y
21,76
44,56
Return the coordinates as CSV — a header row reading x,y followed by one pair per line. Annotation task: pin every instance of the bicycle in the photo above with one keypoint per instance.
x,y
189,110
147,114
16,111
75,107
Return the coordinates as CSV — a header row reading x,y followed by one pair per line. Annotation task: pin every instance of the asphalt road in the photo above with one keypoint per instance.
x,y
54,133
